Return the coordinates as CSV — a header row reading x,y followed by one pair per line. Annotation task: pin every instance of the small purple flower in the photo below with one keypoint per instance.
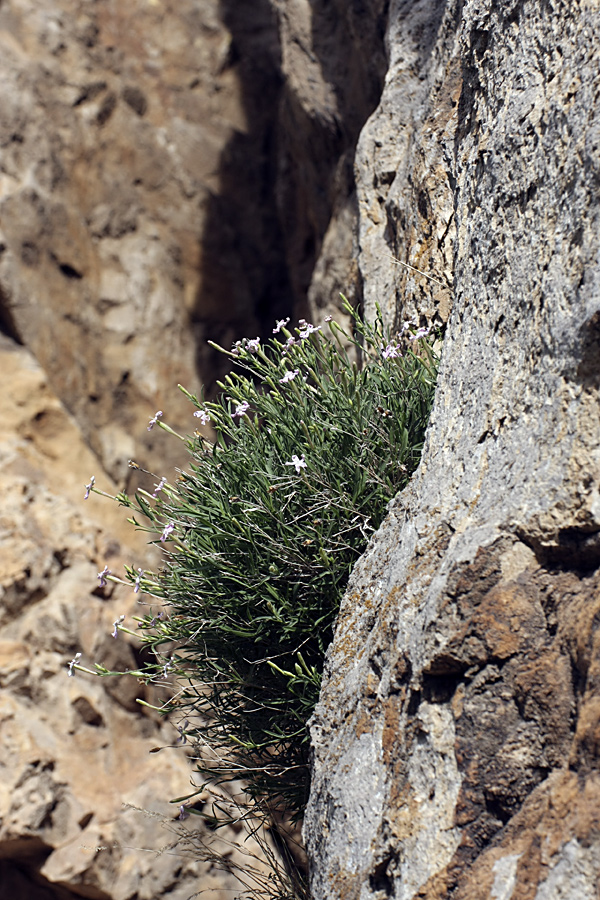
x,y
289,376
116,624
183,813
203,416
237,347
281,323
254,345
154,420
392,351
240,410
288,344
73,663
328,318
102,576
307,328
89,487
410,323
138,581
420,333
297,462
169,529
158,487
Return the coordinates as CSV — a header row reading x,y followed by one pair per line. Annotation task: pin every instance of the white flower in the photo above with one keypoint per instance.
x,y
281,323
240,410
203,416
306,328
297,462
73,663
289,376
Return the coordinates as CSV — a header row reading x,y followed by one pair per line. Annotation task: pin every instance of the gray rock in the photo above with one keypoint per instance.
x,y
458,698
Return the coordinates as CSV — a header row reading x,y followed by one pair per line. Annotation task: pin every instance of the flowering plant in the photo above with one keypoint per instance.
x,y
260,531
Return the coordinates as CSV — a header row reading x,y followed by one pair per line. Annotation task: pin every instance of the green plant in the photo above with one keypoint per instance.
x,y
260,532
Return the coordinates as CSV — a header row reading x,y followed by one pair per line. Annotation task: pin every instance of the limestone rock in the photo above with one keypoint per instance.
x,y
169,172
120,193
404,162
333,62
456,739
84,804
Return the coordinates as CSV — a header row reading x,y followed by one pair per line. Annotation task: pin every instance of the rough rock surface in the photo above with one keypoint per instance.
x,y
457,736
169,171
75,761
404,165
176,170
131,148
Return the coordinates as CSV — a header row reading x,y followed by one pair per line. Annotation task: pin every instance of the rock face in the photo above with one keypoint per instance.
x,y
84,804
131,148
456,740
169,172
172,171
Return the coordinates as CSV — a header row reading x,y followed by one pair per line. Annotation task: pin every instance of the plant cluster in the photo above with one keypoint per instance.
x,y
260,532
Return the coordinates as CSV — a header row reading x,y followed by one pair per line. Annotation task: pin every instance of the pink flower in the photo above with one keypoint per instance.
x,y
154,419
89,487
102,576
289,376
392,351
158,487
169,529
420,333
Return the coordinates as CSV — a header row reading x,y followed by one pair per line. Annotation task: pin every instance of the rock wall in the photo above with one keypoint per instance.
x,y
84,799
456,739
169,172
172,171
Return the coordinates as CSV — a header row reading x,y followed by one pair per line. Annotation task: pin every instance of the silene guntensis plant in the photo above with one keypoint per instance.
x,y
259,533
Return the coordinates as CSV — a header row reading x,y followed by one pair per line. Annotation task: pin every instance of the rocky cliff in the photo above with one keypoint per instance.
x,y
456,740
169,172
172,171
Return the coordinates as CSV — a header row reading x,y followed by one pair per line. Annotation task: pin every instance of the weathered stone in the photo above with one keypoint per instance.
x,y
132,160
82,798
172,172
456,739
168,173
333,61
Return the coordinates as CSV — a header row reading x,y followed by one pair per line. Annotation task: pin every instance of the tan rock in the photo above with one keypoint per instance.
x,y
83,801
